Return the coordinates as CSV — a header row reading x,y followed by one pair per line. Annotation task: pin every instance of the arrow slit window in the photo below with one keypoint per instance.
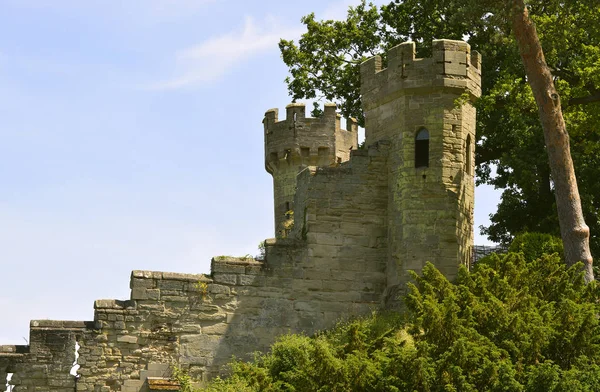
x,y
469,158
422,148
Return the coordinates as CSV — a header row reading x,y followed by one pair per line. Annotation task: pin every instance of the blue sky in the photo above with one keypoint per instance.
x,y
131,138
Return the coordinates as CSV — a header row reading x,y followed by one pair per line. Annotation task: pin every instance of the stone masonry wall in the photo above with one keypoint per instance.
x,y
341,214
361,220
10,356
334,268
45,364
430,210
195,322
299,141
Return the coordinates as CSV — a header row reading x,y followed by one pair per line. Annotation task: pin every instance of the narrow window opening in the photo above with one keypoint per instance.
x,y
422,148
295,117
287,206
468,158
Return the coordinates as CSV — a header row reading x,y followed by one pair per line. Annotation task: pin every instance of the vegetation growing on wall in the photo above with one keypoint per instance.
x,y
517,322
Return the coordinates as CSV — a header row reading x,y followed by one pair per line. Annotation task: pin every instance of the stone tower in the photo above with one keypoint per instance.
x,y
297,142
424,108
363,218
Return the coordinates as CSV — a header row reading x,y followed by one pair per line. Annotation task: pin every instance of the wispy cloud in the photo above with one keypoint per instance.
x,y
215,57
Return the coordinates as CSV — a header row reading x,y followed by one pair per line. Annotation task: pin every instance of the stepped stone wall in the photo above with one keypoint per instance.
x,y
350,223
194,322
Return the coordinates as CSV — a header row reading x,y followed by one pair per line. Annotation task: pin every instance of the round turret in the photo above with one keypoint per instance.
x,y
297,142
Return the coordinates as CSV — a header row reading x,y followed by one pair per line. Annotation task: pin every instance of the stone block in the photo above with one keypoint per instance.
x,y
215,329
170,300
145,274
153,294
228,268
127,339
251,280
254,269
218,289
306,306
299,285
230,279
174,285
320,250
139,293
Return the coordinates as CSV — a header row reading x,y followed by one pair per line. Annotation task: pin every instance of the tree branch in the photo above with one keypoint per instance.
x,y
585,100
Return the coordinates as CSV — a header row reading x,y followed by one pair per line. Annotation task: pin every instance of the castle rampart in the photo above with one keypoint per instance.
x,y
194,322
361,219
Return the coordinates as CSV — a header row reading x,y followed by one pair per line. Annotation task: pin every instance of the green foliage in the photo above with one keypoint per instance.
x,y
324,64
183,378
202,289
262,249
232,384
534,245
514,323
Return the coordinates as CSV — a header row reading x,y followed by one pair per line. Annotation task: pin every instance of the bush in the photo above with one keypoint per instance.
x,y
534,245
511,324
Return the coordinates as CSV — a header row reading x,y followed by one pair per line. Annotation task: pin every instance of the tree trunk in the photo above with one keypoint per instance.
x,y
574,232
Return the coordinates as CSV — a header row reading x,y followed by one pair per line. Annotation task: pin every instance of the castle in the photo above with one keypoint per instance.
x,y
350,223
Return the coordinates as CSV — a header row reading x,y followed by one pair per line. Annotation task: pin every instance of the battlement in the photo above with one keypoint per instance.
x,y
346,238
296,116
452,66
297,136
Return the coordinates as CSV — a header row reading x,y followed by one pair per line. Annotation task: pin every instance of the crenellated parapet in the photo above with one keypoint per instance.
x,y
452,66
298,141
310,141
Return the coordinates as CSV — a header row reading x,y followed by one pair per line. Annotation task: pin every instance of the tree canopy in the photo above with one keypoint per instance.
x,y
324,64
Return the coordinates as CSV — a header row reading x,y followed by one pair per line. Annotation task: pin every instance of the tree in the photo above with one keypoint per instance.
x,y
574,232
324,64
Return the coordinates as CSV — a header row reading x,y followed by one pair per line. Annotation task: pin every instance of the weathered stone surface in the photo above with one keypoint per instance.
x,y
349,224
